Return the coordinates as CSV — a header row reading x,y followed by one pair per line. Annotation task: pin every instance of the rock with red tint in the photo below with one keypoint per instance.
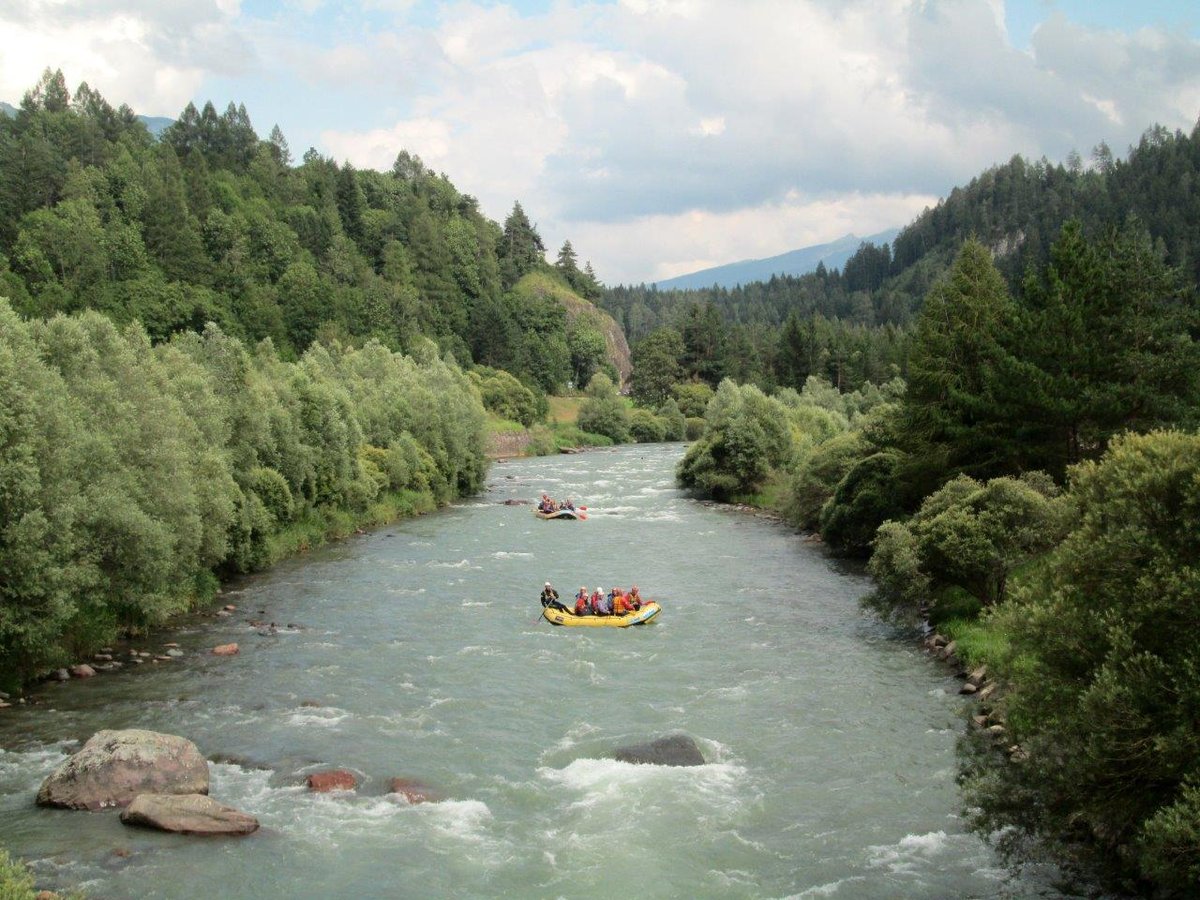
x,y
82,671
225,650
413,791
332,780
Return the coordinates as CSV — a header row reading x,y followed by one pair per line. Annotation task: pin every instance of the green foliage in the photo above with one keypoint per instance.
x,y
674,424
587,348
16,881
692,397
646,428
507,397
874,490
818,474
966,535
746,436
956,356
656,368
132,473
604,412
212,224
1106,712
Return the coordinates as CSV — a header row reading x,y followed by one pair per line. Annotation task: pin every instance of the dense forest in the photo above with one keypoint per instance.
x,y
212,224
1032,491
853,325
212,355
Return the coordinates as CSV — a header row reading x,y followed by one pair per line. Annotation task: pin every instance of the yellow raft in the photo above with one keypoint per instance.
x,y
649,610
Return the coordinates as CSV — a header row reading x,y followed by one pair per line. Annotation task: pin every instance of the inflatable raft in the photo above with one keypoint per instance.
x,y
560,514
649,610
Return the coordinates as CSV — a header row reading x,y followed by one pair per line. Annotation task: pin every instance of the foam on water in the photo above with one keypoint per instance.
x,y
911,852
829,745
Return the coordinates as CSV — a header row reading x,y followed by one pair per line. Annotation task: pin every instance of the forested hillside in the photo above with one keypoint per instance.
x,y
212,224
211,356
780,331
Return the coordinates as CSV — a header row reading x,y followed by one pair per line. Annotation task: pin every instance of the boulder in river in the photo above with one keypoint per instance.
x,y
412,791
113,767
672,750
225,650
331,780
83,670
187,814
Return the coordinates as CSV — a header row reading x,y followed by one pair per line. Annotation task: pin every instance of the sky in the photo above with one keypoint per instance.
x,y
659,136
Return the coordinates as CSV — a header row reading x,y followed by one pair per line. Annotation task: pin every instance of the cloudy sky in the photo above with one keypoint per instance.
x,y
660,136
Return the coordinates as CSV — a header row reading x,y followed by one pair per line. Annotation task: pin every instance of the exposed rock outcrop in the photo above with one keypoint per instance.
x,y
672,750
413,791
113,767
332,780
187,814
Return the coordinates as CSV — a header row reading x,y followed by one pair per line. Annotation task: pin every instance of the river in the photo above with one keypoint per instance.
x,y
415,652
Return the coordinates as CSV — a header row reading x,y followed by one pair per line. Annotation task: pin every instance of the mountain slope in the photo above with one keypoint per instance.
x,y
795,262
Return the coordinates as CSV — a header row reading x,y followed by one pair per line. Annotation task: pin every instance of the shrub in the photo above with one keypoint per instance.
x,y
1106,714
674,424
646,428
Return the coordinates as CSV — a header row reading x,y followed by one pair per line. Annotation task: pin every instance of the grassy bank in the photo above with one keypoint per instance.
x,y
319,526
559,433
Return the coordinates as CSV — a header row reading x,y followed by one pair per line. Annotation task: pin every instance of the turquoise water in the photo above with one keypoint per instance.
x,y
417,652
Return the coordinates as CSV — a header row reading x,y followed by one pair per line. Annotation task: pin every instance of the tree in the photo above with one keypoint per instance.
x,y
745,438
656,367
966,535
958,352
704,344
1105,708
520,249
604,412
588,347
1107,344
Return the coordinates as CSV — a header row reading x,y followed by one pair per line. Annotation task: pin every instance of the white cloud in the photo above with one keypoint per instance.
x,y
653,133
152,56
651,248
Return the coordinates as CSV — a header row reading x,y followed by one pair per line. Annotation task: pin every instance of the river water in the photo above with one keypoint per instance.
x,y
416,652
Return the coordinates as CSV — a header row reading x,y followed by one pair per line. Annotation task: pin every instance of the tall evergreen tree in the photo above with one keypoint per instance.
x,y
520,249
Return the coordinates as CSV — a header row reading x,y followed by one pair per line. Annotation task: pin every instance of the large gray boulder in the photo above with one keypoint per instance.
x,y
187,814
115,766
672,750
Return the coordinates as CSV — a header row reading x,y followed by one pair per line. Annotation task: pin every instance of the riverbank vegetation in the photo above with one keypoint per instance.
x,y
1032,489
137,474
214,355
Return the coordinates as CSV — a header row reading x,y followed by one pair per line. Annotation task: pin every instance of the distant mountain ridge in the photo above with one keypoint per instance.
x,y
156,125
794,262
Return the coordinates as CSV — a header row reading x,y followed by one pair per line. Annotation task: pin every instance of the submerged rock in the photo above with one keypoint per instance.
x,y
332,780
413,791
672,750
115,766
187,814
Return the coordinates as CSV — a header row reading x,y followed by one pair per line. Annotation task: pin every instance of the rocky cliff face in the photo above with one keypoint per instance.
x,y
576,307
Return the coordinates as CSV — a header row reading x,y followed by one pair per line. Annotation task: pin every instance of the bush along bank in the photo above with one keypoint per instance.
x,y
136,475
1034,493
601,417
